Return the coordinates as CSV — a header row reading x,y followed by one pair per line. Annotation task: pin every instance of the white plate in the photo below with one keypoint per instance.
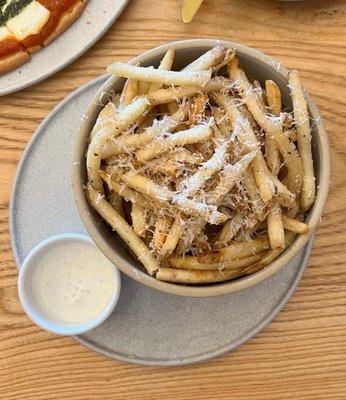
x,y
147,327
96,19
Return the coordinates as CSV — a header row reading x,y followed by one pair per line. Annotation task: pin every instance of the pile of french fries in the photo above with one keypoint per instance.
x,y
201,171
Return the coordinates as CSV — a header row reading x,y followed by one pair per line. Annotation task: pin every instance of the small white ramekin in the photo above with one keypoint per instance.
x,y
31,306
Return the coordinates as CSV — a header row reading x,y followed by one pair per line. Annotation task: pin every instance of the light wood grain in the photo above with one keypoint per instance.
x,y
300,355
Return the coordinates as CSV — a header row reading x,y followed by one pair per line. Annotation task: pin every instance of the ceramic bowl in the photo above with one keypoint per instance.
x,y
256,65
44,317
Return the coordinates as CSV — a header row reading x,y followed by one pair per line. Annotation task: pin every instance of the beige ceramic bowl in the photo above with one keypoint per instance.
x,y
258,66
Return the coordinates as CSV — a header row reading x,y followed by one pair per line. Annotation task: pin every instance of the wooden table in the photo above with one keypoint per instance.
x,y
300,355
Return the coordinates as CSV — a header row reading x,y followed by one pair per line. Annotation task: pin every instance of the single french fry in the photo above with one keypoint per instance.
x,y
192,263
259,92
217,84
229,231
246,136
195,277
129,92
263,181
146,74
228,178
197,109
222,122
271,256
143,86
294,211
194,135
301,119
172,238
167,96
252,190
208,60
275,227
115,200
284,196
139,219
249,117
295,225
233,252
271,127
275,106
272,155
161,231
116,100
276,231
107,212
230,54
106,119
163,195
273,97
170,96
182,155
165,65
129,115
189,9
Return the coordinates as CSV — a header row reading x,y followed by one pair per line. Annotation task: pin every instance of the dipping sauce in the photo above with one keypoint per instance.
x,y
73,282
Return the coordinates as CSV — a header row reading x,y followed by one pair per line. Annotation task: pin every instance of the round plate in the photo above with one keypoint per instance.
x,y
147,327
95,20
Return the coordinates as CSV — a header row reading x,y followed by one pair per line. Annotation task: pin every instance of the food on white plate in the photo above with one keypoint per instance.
x,y
202,172
28,25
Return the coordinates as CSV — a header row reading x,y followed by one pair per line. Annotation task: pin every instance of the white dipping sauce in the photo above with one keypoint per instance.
x,y
73,282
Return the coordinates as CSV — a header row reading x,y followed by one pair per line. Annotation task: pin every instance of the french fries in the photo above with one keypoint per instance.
x,y
197,172
189,9
301,117
162,195
130,91
246,136
276,231
131,142
294,225
271,127
195,181
162,227
162,77
207,60
275,106
172,238
196,134
139,219
165,65
195,277
104,135
118,223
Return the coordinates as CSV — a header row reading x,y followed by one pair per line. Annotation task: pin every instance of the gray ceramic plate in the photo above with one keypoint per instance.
x,y
147,327
95,20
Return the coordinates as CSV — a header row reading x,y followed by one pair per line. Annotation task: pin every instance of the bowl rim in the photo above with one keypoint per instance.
x,y
217,289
